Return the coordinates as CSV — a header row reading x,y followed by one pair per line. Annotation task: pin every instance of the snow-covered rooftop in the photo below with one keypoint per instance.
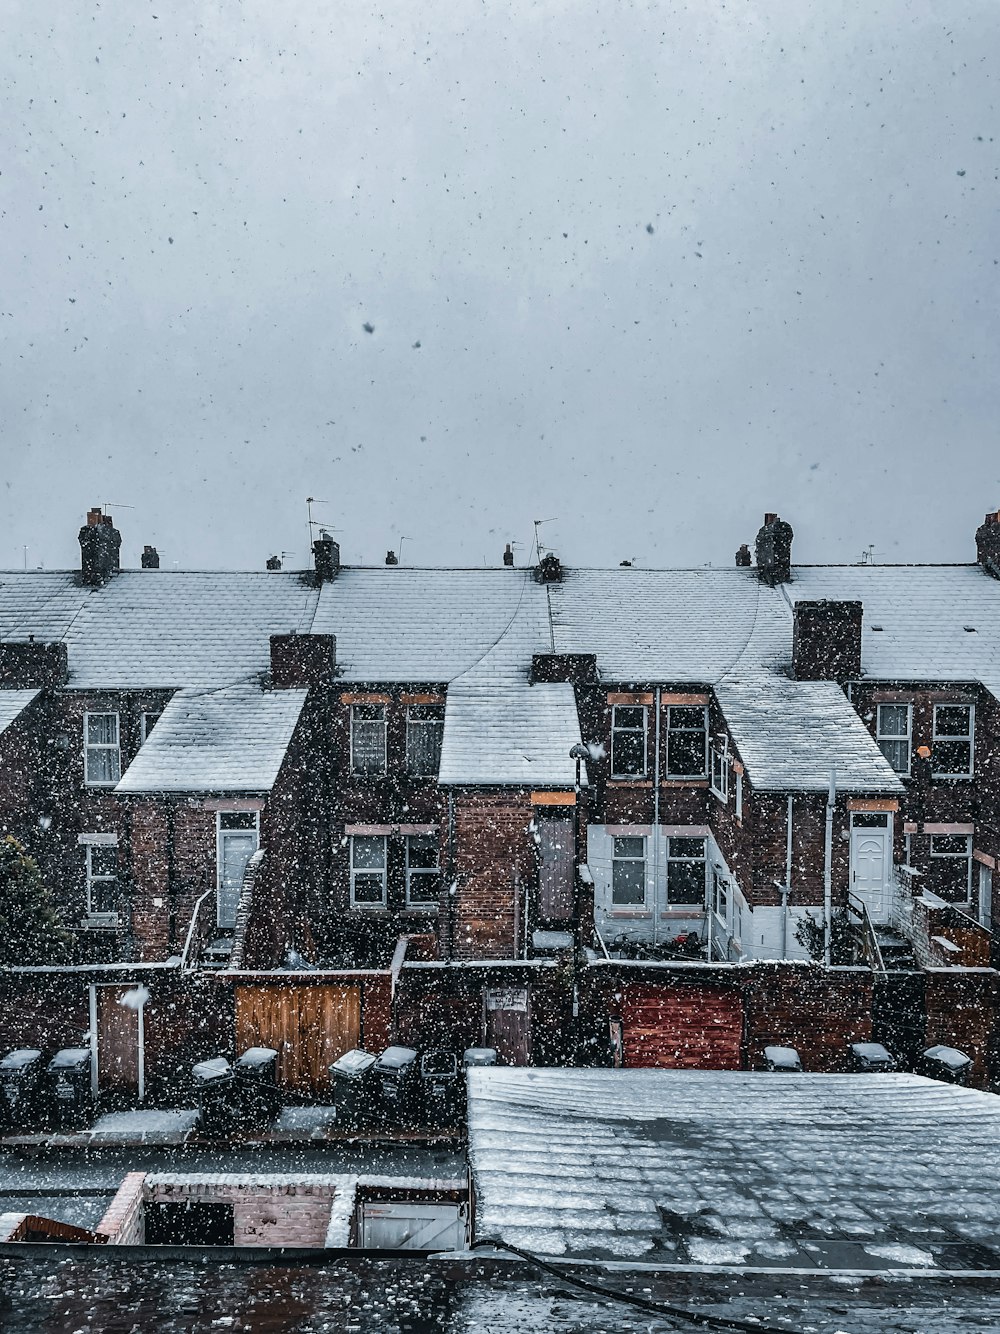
x,y
512,733
12,704
726,1167
228,740
790,734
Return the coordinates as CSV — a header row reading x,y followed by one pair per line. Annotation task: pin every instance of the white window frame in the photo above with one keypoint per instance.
x,y
970,739
631,731
373,704
718,756
423,723
643,861
421,872
89,842
220,832
115,747
145,727
954,857
368,905
687,731
895,737
739,795
721,891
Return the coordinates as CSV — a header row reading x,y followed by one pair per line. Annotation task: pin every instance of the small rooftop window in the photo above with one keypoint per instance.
x,y
969,629
876,627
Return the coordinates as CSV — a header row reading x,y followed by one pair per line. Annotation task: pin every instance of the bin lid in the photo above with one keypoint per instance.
x,y
70,1058
354,1062
480,1056
396,1058
206,1071
872,1052
949,1056
439,1062
258,1056
783,1058
17,1060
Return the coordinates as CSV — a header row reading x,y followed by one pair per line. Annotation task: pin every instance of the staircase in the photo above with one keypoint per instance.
x,y
897,953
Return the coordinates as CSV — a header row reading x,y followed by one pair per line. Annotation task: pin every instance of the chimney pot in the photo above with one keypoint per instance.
x,y
94,517
743,556
508,554
150,558
391,558
273,563
770,518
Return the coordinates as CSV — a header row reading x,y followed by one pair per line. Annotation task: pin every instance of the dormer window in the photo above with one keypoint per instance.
x,y
368,739
892,732
628,741
687,741
101,750
719,757
424,734
951,751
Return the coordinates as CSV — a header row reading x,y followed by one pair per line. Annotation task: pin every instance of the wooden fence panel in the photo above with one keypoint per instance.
x,y
309,1027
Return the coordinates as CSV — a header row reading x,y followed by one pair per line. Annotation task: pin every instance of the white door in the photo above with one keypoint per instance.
x,y
236,847
986,897
870,876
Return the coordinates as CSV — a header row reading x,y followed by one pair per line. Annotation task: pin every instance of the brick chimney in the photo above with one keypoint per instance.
x,y
391,558
100,543
32,665
774,551
150,558
826,641
988,544
326,558
549,569
508,554
303,660
743,556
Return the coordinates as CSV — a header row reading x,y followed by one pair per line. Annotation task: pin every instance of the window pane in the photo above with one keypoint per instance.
x,y
952,757
425,887
686,753
897,753
629,883
102,729
368,749
368,851
679,716
103,894
103,860
893,719
238,820
422,850
630,847
368,888
949,845
630,715
423,746
952,720
629,753
368,711
102,765
686,882
426,713
687,847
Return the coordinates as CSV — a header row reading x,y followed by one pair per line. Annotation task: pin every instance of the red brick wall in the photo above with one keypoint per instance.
x,y
493,854
962,1013
819,1013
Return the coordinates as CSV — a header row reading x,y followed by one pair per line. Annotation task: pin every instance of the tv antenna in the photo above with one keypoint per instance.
x,y
538,546
399,549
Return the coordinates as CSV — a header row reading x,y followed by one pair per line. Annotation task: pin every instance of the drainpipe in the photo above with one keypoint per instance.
x,y
828,869
451,875
656,819
786,887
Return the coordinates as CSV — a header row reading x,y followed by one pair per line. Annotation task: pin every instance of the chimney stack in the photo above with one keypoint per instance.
x,y
100,543
988,544
826,641
774,551
549,569
743,557
273,563
303,660
391,558
150,558
508,554
326,557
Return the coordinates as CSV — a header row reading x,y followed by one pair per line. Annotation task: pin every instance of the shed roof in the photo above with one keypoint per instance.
x,y
12,704
726,1167
228,740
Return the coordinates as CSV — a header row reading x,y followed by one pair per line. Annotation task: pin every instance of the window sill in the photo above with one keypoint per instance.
x,y
625,781
111,783
369,907
952,778
639,914
701,782
98,922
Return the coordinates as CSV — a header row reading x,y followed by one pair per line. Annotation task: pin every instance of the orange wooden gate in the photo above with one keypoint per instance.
x,y
309,1027
694,1028
117,1042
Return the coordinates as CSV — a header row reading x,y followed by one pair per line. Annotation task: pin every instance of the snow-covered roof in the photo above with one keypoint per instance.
x,y
13,703
228,740
938,622
158,627
511,733
790,734
727,1167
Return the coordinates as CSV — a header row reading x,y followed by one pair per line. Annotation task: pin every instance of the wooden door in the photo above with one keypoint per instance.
x,y
508,1024
309,1027
557,871
117,1042
692,1028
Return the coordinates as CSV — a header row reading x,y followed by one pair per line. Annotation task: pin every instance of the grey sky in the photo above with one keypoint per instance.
x,y
202,204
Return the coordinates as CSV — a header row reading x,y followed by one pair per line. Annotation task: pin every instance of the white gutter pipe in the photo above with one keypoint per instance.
x,y
828,869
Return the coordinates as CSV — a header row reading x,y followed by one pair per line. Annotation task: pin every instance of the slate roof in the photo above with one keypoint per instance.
x,y
13,703
228,740
790,734
923,611
726,1167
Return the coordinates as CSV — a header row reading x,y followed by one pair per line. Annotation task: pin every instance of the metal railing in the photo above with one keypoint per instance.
x,y
857,909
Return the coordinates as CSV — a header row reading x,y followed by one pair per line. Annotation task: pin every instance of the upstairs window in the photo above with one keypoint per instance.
x,y
102,753
628,741
892,732
628,872
424,732
951,867
368,871
719,759
687,741
951,752
423,872
102,879
721,896
149,721
368,739
686,870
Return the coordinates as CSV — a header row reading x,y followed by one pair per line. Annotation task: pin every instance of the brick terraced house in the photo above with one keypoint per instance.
x,y
581,815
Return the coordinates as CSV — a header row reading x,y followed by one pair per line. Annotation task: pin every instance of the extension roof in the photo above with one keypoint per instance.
x,y
12,705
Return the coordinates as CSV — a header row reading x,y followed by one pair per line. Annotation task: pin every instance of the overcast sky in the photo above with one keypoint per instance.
x,y
644,269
